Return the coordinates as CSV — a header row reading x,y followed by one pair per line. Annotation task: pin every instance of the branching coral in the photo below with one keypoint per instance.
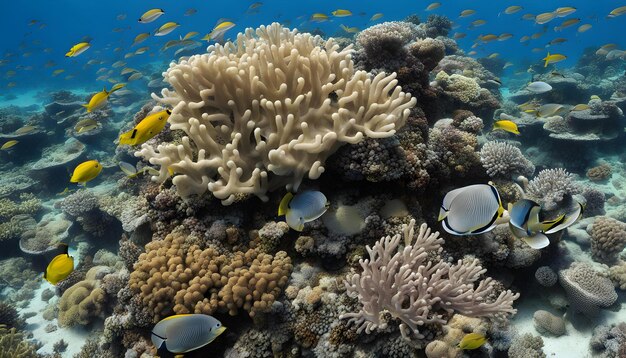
x,y
267,111
408,284
177,275
13,344
552,186
501,159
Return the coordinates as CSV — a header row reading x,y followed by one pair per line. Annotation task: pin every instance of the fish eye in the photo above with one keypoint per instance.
x,y
218,324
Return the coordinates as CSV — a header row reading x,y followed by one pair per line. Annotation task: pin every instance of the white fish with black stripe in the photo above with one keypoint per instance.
x,y
471,210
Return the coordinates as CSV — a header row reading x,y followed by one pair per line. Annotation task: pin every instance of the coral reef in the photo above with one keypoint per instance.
x,y
250,123
13,344
83,301
609,341
546,276
608,239
501,159
391,278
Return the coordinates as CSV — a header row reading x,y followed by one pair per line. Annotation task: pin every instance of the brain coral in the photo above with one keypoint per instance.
x,y
501,159
177,275
267,111
82,302
546,322
608,238
587,290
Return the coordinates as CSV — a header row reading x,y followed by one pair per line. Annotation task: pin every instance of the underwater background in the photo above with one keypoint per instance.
x,y
313,179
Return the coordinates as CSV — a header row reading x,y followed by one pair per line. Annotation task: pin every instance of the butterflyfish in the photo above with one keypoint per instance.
x,y
86,171
471,210
60,267
302,207
146,129
184,333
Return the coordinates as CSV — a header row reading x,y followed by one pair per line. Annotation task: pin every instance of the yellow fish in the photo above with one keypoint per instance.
x,y
140,38
564,11
78,49
618,11
8,144
472,341
553,59
512,9
86,171
25,129
166,28
151,15
433,6
376,16
318,17
544,18
146,129
505,125
466,13
584,27
99,99
350,30
60,267
341,13
580,107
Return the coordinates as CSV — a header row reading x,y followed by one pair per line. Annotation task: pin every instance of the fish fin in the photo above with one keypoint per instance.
x,y
283,207
547,60
550,224
539,241
85,105
64,248
127,137
443,213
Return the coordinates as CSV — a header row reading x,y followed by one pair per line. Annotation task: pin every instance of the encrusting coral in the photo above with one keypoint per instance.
x,y
179,275
408,284
608,239
268,110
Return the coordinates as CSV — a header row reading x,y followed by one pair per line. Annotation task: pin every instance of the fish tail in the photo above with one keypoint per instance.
x,y
126,138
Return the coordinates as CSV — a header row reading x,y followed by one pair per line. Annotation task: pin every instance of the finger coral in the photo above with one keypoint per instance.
x,y
268,110
408,284
178,275
13,344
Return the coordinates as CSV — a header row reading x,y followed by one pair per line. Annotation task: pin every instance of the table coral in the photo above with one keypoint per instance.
x,y
179,275
608,239
411,286
267,111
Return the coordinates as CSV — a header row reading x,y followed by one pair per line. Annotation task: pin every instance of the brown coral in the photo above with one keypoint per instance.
x,y
608,238
600,173
81,303
178,275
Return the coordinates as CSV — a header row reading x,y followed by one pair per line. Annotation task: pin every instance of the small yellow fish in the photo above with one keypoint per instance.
x,y
595,97
512,9
190,35
140,38
8,144
151,15
505,36
567,23
319,17
524,38
146,129
477,23
60,267
564,11
166,28
493,55
580,107
78,49
466,13
57,72
25,129
544,18
472,341
341,13
507,126
86,171
376,16
584,27
618,11
433,6
350,30
554,58
99,99
489,37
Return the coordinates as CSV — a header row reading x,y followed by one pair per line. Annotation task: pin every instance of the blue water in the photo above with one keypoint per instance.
x,y
67,22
